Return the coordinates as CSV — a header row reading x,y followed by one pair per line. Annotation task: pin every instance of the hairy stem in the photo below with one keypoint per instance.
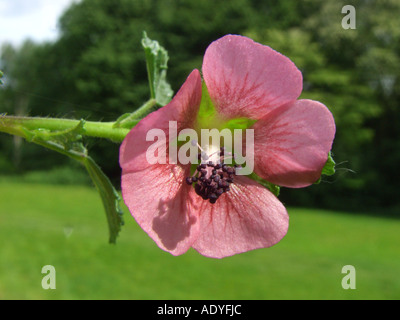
x,y
14,125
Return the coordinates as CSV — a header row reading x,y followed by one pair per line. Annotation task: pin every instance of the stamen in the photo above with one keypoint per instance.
x,y
203,155
212,179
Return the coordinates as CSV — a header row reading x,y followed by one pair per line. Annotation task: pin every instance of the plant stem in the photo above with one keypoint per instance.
x,y
12,125
144,110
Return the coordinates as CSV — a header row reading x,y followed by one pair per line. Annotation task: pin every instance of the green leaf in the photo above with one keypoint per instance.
x,y
69,142
110,197
157,65
1,76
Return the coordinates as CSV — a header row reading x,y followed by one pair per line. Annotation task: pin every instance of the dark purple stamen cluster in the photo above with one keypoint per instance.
x,y
212,179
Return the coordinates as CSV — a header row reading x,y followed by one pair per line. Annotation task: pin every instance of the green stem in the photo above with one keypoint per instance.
x,y
129,120
144,110
12,124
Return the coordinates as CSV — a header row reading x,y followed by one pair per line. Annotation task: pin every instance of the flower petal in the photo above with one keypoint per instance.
x,y
156,194
183,109
247,79
247,217
158,200
291,144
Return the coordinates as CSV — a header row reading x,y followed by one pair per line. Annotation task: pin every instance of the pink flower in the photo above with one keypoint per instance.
x,y
292,139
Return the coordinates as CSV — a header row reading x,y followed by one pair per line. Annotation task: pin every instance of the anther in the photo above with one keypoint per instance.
x,y
212,196
230,170
212,178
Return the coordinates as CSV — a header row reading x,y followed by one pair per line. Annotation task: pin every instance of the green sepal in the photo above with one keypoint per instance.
x,y
157,65
270,186
328,169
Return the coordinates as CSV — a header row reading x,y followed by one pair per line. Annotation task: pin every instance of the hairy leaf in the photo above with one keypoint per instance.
x,y
110,197
157,65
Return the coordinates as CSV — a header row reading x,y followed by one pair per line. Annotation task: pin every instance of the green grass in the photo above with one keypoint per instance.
x,y
35,221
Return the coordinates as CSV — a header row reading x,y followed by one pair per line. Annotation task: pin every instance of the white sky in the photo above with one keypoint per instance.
x,y
34,19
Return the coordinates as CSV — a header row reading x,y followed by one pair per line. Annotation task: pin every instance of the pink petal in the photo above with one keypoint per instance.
x,y
247,79
292,143
158,199
183,108
247,217
155,194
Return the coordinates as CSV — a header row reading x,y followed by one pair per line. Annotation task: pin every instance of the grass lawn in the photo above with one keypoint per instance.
x,y
65,226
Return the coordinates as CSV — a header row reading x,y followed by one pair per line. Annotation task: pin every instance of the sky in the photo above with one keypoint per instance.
x,y
34,19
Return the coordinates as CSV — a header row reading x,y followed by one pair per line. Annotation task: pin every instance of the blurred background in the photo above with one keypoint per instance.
x,y
89,63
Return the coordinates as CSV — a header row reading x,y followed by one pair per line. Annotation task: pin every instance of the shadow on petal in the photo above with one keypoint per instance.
x,y
175,221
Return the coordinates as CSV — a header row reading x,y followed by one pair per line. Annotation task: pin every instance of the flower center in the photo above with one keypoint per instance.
x,y
212,176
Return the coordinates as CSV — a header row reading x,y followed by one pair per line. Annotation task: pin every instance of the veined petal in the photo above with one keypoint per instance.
x,y
292,143
247,217
183,109
158,200
247,79
155,193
